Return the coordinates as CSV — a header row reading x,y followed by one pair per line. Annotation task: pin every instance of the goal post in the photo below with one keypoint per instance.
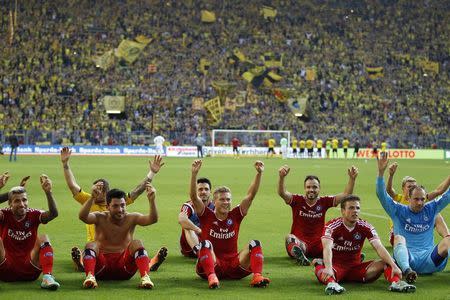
x,y
249,139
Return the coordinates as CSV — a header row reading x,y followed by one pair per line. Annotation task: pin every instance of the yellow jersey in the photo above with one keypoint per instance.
x,y
81,198
345,143
383,146
309,144
301,144
319,144
294,143
271,143
334,143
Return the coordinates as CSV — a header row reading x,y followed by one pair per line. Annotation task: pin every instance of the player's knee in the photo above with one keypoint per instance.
x,y
137,244
206,244
399,239
253,244
89,254
43,238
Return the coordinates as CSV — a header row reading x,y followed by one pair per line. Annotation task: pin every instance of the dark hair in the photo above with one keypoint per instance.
x,y
411,189
105,184
349,198
114,193
311,177
204,180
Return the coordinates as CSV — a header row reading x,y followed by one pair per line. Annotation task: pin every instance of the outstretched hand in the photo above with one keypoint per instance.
x,y
46,183
382,163
284,171
65,154
353,172
4,179
393,168
97,190
259,166
156,164
196,166
24,180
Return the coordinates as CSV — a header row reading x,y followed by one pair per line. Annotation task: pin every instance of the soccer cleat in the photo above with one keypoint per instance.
x,y
259,281
300,256
90,282
410,275
146,282
402,287
77,259
49,282
333,288
213,281
158,259
362,257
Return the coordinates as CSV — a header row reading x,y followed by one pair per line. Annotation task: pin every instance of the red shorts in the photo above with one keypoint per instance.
x,y
356,273
186,250
229,268
115,266
18,269
313,249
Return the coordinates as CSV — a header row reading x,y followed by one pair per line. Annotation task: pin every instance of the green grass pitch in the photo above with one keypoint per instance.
x,y
269,220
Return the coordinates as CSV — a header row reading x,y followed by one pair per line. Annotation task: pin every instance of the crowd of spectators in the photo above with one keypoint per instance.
x,y
49,85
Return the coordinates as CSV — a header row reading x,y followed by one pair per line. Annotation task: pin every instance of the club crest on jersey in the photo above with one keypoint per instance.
x,y
357,236
27,224
318,208
229,222
425,218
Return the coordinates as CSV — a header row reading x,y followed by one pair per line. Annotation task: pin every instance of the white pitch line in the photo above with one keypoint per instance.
x,y
374,215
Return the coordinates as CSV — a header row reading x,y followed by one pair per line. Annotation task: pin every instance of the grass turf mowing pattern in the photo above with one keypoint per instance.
x,y
268,220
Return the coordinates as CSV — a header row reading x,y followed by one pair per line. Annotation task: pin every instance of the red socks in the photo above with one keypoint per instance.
x,y
46,258
142,260
206,261
89,260
388,273
317,271
256,259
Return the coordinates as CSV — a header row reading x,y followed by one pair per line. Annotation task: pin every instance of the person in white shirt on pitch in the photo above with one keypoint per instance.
x,y
284,148
159,141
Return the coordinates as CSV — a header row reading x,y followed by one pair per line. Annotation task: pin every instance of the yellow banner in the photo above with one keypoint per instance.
x,y
208,16
129,50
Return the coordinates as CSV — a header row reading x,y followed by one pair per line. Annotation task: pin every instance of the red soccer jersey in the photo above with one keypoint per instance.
x,y
235,142
308,221
19,237
223,234
347,243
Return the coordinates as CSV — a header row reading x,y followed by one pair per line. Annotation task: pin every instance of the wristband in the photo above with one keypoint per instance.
x,y
150,175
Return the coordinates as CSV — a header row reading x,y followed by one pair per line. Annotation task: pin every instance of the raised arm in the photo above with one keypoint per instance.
x,y
282,192
52,212
386,201
68,175
253,189
352,174
152,217
389,189
199,207
85,215
3,180
440,189
386,257
155,166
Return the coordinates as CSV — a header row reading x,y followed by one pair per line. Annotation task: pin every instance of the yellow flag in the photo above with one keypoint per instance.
x,y
208,16
104,61
213,108
129,50
204,66
310,74
268,12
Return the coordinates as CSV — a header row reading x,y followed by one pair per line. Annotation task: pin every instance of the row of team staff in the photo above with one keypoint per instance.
x,y
216,244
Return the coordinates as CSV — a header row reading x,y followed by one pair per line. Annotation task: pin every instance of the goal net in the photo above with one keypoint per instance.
x,y
251,142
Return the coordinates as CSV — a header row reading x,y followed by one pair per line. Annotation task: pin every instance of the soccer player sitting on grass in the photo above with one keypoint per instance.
x,y
100,203
342,241
414,248
403,198
23,253
115,255
189,221
308,214
218,257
